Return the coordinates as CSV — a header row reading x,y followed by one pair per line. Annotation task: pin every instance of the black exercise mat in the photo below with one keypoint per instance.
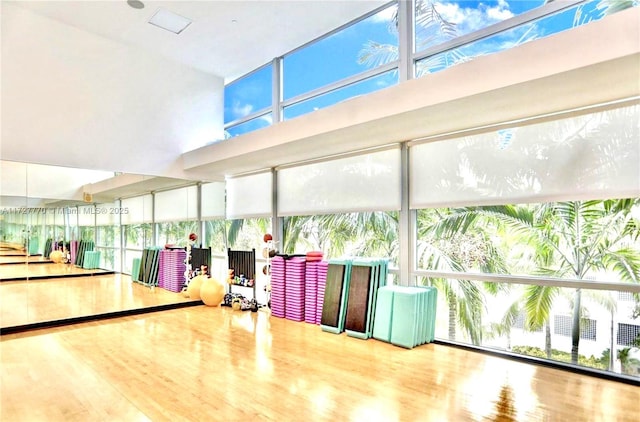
x,y
358,299
332,305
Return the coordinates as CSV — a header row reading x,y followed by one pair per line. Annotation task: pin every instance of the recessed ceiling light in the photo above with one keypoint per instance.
x,y
169,21
136,4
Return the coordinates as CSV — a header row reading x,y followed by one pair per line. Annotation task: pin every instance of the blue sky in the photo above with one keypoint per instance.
x,y
336,57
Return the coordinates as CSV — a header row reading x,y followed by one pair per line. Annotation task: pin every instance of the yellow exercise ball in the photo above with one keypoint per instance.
x,y
193,289
212,292
56,256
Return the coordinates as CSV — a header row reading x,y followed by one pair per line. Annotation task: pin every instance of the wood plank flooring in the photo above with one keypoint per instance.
x,y
216,364
34,301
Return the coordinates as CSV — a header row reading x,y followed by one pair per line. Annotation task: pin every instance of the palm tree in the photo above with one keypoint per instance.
x,y
365,234
571,239
446,244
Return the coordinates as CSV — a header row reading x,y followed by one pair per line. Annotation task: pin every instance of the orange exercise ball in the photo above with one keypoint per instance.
x,y
56,256
212,292
193,289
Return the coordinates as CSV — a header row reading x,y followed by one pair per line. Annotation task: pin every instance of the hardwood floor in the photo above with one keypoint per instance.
x,y
216,364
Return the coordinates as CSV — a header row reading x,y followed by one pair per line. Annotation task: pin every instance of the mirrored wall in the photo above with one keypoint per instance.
x,y
68,239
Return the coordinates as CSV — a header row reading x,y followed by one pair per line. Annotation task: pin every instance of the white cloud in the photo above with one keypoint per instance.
x,y
384,15
469,19
240,110
267,118
500,12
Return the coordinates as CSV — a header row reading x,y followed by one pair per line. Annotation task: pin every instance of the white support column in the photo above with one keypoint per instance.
x,y
277,230
405,39
276,90
406,237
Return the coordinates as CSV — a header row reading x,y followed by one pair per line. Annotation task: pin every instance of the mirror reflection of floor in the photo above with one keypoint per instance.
x,y
21,259
42,300
44,270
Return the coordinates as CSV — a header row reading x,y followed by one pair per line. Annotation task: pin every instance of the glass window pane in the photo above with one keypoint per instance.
x,y
545,239
138,236
513,37
363,234
502,316
366,86
249,126
366,44
248,94
440,21
176,232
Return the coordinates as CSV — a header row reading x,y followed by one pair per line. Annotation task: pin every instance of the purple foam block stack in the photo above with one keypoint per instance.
x,y
278,274
311,292
171,268
294,288
322,268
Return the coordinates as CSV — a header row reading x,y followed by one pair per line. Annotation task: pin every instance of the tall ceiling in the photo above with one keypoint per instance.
x,y
225,38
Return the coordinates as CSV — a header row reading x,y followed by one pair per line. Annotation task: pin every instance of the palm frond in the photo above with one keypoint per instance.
x,y
374,54
538,301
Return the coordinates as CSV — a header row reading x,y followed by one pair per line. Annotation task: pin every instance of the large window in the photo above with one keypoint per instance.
x,y
567,230
364,56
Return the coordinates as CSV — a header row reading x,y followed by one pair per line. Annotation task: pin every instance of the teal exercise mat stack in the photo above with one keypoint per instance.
x,y
135,269
34,245
405,316
335,296
367,275
83,246
91,260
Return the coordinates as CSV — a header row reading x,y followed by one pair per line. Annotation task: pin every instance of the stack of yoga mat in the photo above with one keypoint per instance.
x,y
405,316
91,260
34,245
171,269
48,247
311,292
83,246
278,293
74,250
295,269
149,266
135,269
298,287
350,295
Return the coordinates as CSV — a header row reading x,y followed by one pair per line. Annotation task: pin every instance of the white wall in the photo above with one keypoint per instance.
x,y
42,181
75,99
